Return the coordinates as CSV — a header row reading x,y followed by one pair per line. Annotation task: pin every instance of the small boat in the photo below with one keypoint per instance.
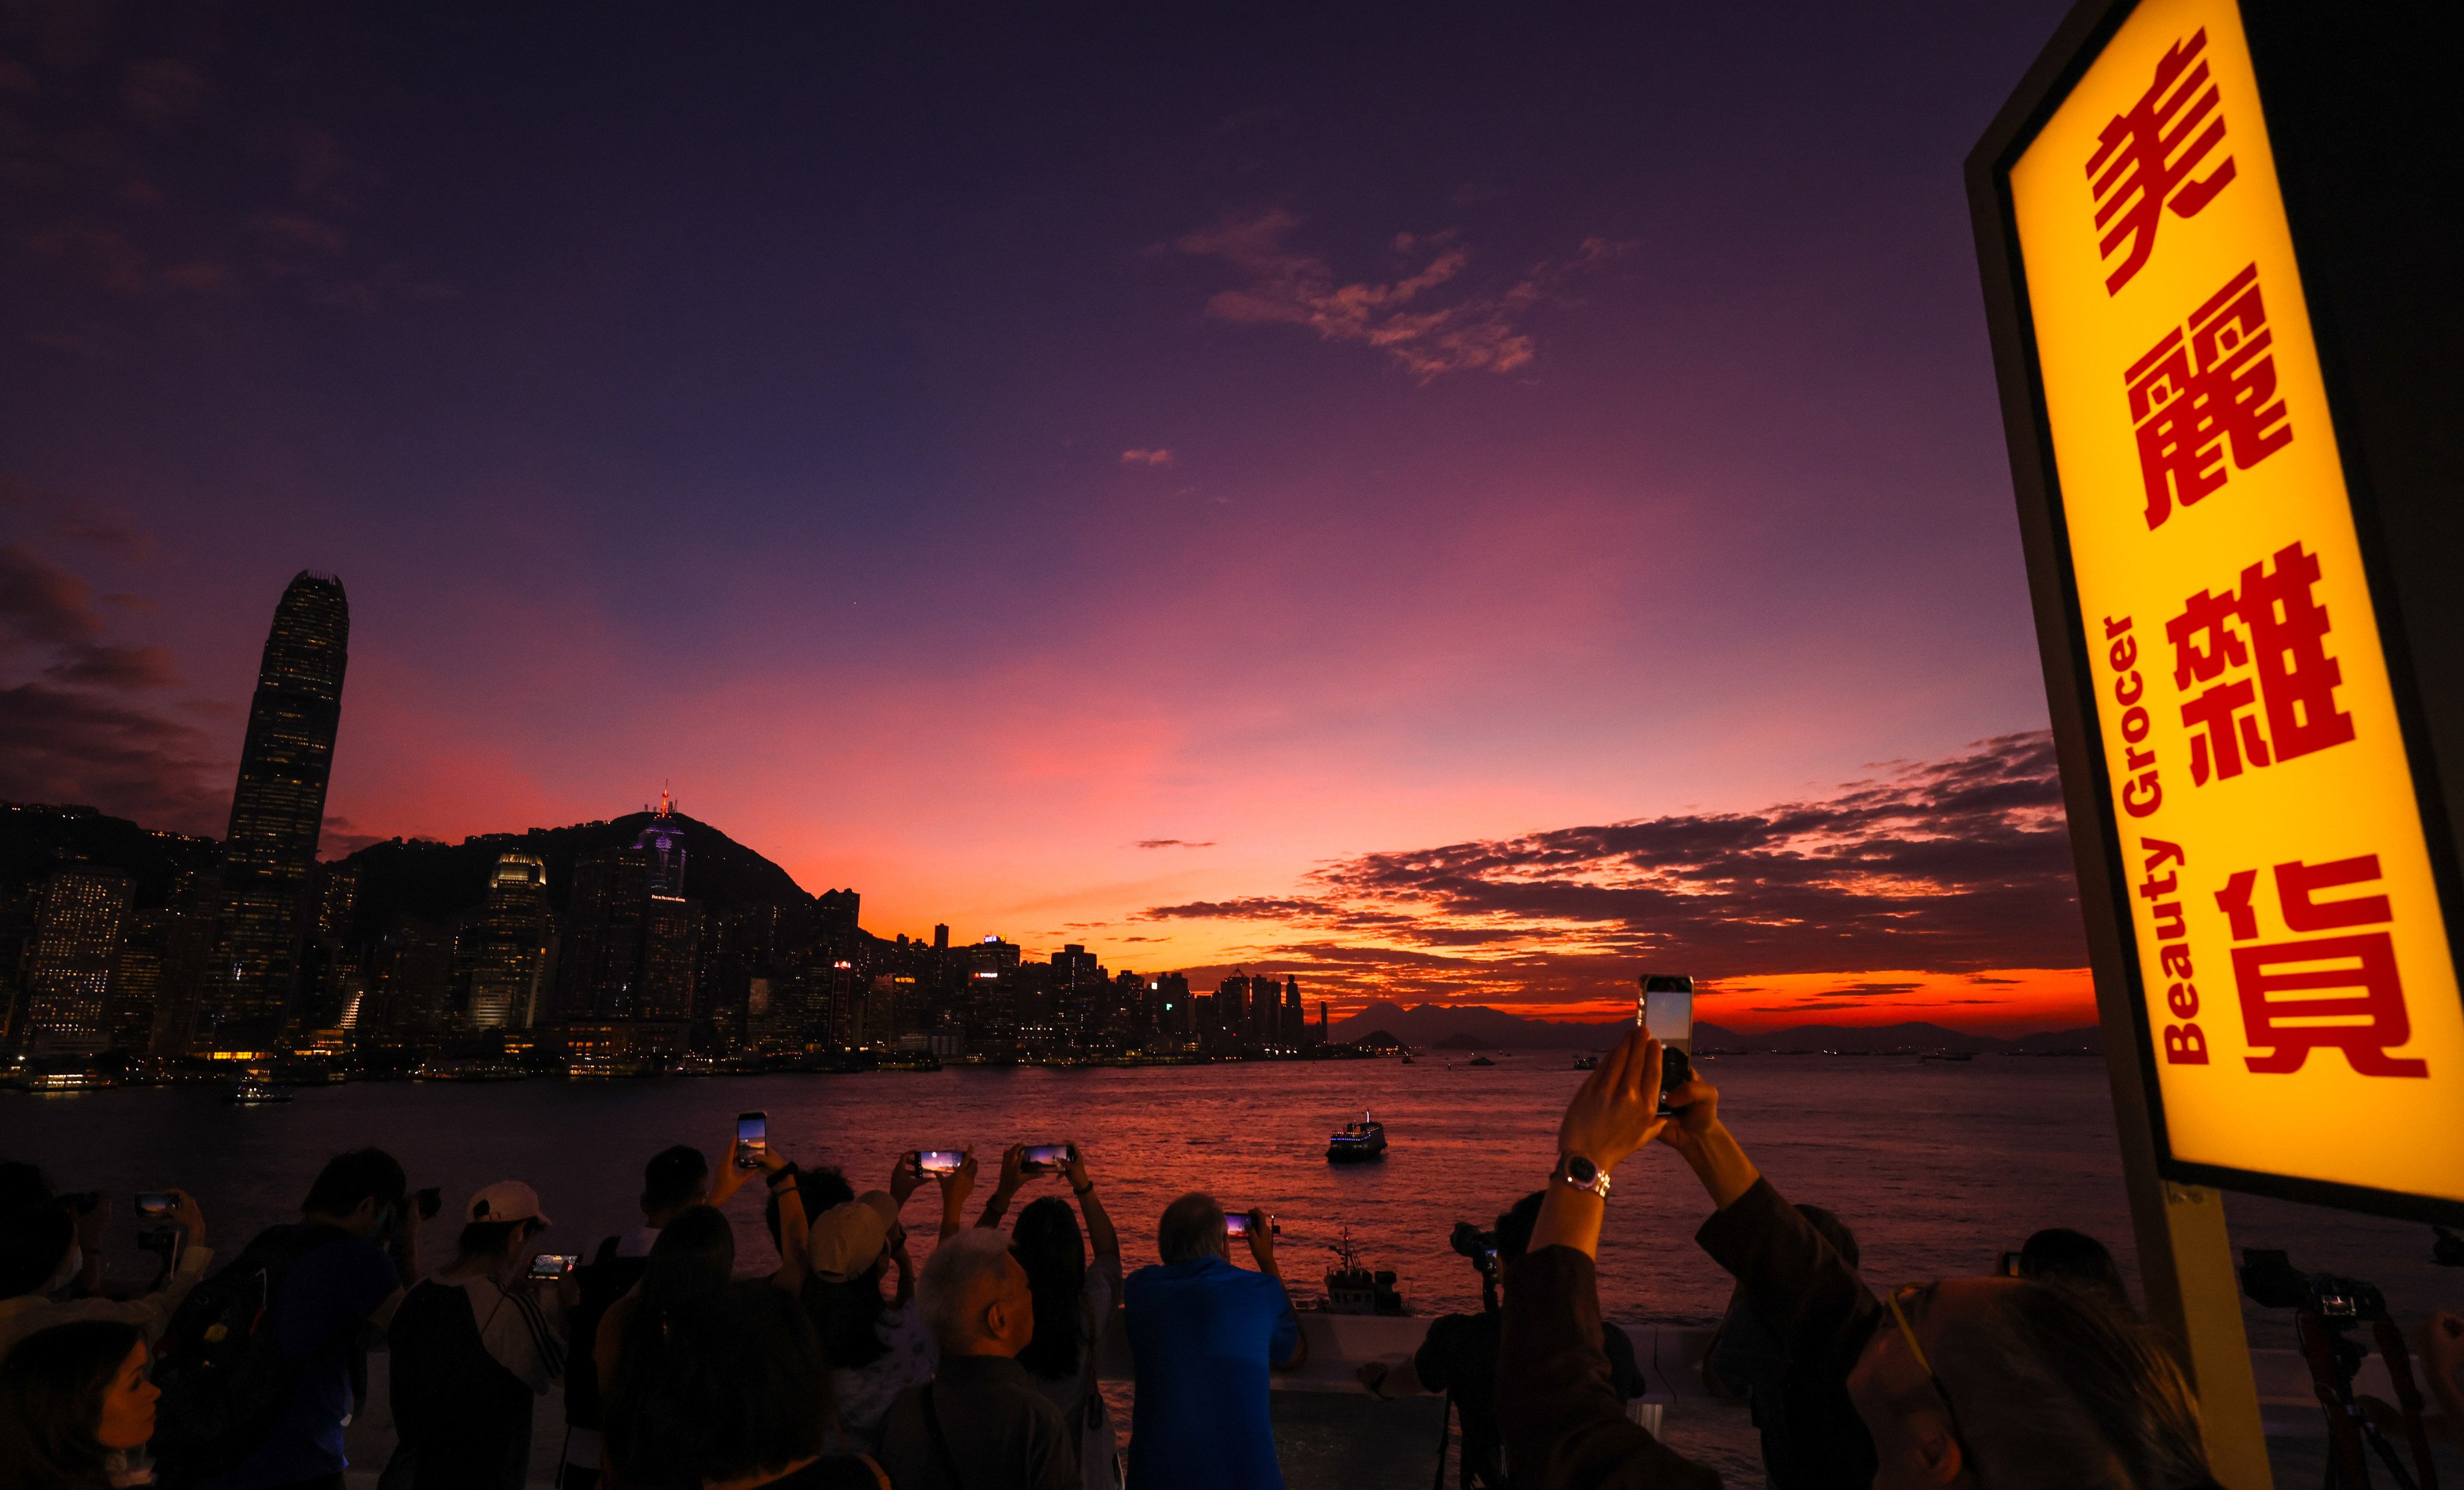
x,y
1353,1289
1357,1142
1480,1061
1947,1055
1587,1062
1407,1057
254,1091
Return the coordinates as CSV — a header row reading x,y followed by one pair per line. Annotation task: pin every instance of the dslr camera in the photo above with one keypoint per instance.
x,y
1480,1246
2272,1282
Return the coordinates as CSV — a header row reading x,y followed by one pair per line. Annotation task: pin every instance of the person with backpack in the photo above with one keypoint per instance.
x,y
676,1180
262,1366
472,1345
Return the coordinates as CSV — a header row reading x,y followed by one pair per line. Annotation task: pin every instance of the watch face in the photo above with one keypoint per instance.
x,y
1581,1171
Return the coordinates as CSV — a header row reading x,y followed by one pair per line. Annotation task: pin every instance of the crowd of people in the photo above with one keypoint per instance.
x,y
846,1367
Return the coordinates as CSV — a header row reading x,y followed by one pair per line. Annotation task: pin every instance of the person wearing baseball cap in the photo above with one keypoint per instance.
x,y
472,1345
876,1347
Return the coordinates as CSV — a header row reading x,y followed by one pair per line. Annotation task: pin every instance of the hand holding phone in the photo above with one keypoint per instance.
x,y
1666,1012
752,1139
935,1163
156,1205
1236,1225
1047,1159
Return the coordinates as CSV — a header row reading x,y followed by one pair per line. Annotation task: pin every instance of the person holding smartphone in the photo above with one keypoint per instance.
x,y
1204,1334
1073,1297
472,1345
44,1245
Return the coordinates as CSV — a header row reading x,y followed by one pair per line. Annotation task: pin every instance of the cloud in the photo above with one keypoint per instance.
x,y
161,89
69,745
1425,320
1951,867
339,838
1174,843
1157,457
75,732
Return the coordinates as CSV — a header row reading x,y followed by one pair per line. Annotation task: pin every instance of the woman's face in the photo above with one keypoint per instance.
x,y
128,1405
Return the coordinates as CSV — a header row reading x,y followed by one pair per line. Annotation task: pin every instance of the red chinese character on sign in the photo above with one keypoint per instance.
x,y
2144,160
2286,648
2331,993
2195,396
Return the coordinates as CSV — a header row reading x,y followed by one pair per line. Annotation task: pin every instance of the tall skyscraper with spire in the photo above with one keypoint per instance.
x,y
277,810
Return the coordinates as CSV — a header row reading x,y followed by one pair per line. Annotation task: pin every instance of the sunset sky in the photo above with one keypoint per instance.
x,y
1459,503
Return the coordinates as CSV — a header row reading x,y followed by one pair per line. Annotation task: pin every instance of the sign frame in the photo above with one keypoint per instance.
x,y
2357,150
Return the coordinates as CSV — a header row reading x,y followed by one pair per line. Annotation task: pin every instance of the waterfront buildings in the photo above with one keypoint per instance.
x,y
69,967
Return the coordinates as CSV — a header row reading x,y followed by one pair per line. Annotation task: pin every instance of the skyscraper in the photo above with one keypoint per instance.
x,y
600,970
504,948
277,809
68,968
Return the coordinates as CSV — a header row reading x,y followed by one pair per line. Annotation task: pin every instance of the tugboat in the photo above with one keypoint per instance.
x,y
1353,1289
1480,1061
1358,1142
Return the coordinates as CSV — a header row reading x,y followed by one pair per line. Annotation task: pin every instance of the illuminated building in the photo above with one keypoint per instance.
x,y
277,810
69,965
504,948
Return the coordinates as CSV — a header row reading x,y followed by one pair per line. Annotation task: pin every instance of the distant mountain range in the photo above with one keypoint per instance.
x,y
1478,1027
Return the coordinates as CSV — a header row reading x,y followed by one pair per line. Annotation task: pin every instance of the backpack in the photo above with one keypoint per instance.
x,y
224,1379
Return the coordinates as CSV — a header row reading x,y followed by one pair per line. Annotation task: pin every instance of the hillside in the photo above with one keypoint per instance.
x,y
1478,1027
35,838
432,881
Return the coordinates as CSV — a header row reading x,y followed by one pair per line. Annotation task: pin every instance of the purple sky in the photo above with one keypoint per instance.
x,y
955,452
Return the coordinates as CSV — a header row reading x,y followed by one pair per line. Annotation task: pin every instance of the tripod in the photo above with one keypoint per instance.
x,y
2334,1357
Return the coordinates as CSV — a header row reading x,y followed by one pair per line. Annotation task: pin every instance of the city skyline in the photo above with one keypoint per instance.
x,y
1183,523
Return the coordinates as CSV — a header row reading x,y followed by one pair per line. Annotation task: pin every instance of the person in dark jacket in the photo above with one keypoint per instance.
x,y
1997,1382
1748,1361
981,1423
677,1179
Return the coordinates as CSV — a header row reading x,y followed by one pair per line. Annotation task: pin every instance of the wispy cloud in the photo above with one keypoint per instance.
x,y
1155,458
74,726
1952,867
1175,842
1429,319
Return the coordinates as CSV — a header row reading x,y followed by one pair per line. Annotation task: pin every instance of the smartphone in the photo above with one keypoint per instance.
x,y
1666,1009
1236,1224
429,1201
933,1163
549,1266
1044,1158
752,1139
153,1205
2009,1266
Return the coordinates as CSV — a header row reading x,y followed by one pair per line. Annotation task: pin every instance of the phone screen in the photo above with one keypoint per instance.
x,y
553,1264
155,1204
939,1161
1236,1224
1047,1156
752,1139
1666,1010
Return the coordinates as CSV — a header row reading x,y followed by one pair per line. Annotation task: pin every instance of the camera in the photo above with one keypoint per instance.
x,y
2272,1282
549,1266
1480,1246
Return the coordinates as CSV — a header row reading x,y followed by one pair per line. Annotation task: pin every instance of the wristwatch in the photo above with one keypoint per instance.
x,y
1572,1169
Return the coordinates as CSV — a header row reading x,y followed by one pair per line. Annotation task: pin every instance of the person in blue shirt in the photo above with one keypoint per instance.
x,y
1204,1334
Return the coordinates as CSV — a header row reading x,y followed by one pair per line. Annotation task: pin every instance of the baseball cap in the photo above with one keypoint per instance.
x,y
846,1239
506,1200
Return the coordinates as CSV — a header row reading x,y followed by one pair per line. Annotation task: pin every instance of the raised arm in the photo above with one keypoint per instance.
x,y
955,1189
795,1250
1013,1174
1101,1238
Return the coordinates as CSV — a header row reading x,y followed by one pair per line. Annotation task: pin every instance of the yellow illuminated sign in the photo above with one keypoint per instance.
x,y
2300,995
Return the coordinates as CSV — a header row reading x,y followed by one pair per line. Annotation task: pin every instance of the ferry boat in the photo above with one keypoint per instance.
x,y
1358,1142
1353,1289
254,1091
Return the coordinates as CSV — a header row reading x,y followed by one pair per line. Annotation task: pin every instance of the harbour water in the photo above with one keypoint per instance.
x,y
1938,1167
